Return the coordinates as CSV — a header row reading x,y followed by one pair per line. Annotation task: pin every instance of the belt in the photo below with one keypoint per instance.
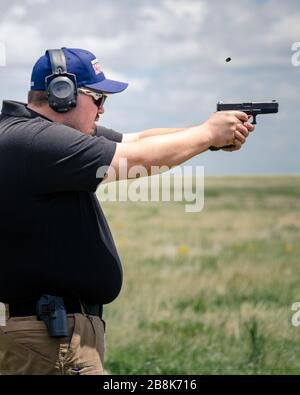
x,y
28,307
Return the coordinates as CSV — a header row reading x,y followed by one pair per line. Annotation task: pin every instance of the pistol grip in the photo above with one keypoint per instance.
x,y
212,148
254,119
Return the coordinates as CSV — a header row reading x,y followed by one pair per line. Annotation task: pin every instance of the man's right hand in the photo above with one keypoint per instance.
x,y
228,128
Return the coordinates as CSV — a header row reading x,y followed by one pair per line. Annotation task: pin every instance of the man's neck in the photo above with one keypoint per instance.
x,y
47,112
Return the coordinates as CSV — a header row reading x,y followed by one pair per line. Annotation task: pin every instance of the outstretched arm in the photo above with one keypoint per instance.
x,y
172,149
133,137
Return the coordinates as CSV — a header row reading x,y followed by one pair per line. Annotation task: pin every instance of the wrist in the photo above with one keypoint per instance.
x,y
206,136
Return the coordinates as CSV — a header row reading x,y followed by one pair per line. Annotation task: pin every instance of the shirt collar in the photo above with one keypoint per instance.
x,y
19,109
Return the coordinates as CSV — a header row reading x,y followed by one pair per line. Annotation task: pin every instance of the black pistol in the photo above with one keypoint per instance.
x,y
254,108
52,311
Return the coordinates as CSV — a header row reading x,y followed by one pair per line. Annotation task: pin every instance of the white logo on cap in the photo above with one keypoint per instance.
x,y
96,66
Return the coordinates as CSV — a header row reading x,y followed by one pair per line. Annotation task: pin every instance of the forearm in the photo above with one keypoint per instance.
x,y
164,150
133,137
157,132
173,149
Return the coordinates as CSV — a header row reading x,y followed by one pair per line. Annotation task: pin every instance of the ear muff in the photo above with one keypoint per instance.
x,y
61,86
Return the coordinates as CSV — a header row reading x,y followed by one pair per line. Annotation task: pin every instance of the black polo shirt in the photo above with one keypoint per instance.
x,y
54,238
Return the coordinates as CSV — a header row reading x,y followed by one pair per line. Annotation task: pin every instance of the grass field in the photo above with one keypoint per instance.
x,y
209,292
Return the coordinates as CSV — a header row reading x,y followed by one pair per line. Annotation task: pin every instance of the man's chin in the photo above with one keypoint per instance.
x,y
93,129
90,131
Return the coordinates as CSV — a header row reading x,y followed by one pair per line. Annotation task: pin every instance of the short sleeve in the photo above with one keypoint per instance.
x,y
109,134
63,159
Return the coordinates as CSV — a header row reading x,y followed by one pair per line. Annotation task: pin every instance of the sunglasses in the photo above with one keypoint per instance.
x,y
99,98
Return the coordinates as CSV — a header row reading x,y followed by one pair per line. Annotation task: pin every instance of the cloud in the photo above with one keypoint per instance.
x,y
179,19
285,31
16,37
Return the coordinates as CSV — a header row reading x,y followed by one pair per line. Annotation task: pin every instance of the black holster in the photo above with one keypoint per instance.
x,y
51,309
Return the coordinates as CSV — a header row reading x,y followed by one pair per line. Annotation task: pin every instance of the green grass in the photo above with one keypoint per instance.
x,y
211,292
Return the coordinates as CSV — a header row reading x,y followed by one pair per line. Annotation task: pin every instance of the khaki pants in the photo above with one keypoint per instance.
x,y
28,349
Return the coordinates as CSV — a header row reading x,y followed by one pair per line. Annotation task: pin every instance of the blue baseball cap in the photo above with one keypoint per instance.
x,y
84,65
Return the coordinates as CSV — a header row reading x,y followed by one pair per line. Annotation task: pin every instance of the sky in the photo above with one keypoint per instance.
x,y
172,53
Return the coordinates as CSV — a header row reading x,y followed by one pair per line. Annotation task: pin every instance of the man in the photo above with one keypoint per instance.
x,y
58,261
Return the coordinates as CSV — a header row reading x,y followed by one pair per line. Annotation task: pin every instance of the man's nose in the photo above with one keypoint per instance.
x,y
101,110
